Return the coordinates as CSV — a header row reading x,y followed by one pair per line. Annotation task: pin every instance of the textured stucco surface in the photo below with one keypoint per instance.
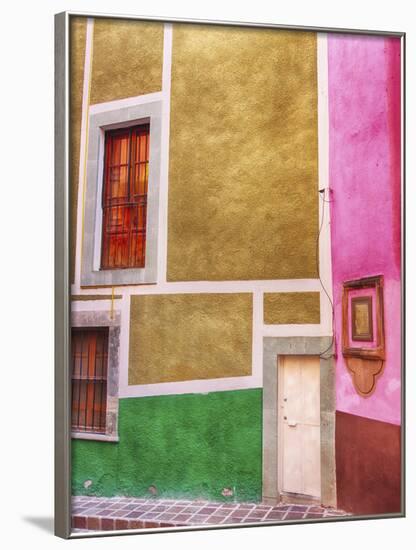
x,y
368,465
291,308
176,337
185,445
78,27
127,59
364,165
243,199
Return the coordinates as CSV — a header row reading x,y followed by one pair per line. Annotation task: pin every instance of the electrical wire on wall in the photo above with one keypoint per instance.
x,y
324,201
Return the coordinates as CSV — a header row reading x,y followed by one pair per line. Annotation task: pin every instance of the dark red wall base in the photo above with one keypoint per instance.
x,y
368,465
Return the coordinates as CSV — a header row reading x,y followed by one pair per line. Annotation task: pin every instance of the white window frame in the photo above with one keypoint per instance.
x,y
120,116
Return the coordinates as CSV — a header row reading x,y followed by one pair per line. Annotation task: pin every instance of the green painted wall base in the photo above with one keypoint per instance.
x,y
186,446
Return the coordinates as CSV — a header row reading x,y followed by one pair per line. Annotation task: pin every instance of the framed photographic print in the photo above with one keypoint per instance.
x,y
228,274
362,319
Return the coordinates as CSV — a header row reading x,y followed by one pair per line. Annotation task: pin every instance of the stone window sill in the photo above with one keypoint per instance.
x,y
95,437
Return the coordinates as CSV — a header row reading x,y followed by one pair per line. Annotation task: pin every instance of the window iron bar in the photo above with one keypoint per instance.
x,y
86,405
125,248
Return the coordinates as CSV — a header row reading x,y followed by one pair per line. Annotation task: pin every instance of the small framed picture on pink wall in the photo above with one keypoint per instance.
x,y
363,318
363,344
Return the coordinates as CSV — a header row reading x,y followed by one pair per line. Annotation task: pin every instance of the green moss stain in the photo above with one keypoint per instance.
x,y
190,446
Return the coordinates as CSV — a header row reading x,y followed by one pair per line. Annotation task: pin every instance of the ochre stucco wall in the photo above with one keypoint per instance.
x,y
127,59
77,60
243,201
291,308
176,337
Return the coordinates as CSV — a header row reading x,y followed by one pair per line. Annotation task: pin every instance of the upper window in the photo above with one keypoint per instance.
x,y
124,197
121,202
89,379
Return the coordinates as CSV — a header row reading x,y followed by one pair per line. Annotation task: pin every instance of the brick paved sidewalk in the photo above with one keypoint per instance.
x,y
108,514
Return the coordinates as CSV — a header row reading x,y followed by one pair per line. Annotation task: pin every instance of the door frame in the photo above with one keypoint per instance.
x,y
273,348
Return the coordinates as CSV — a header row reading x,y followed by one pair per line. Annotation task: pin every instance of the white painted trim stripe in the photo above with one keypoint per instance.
x,y
162,248
125,102
123,381
101,305
282,285
325,264
294,330
83,148
257,345
193,386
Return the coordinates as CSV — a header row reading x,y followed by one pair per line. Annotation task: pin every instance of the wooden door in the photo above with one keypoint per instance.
x,y
299,441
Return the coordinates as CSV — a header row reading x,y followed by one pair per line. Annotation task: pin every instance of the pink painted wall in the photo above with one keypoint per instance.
x,y
364,170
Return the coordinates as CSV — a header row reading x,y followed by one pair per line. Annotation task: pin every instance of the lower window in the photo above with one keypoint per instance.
x,y
89,379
